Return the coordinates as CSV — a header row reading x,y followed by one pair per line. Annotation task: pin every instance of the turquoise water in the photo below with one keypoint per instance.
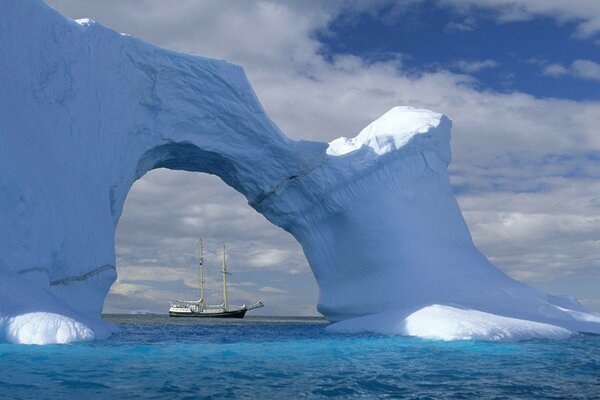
x,y
154,357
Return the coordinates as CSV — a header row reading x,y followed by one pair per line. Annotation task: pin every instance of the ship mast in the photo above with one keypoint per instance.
x,y
201,272
224,281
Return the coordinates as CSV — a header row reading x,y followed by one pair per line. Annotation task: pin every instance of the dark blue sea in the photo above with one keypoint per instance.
x,y
154,357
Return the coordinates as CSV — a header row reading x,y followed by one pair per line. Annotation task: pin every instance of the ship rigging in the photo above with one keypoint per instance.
x,y
199,308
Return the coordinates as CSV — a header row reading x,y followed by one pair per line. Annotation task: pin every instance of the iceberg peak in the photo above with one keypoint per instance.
x,y
390,132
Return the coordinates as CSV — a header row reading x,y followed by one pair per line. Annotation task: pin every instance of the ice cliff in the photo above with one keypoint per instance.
x,y
86,111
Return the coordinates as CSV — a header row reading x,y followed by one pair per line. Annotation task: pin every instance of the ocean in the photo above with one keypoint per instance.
x,y
155,357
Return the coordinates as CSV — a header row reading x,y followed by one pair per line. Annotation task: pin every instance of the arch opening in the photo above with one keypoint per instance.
x,y
169,208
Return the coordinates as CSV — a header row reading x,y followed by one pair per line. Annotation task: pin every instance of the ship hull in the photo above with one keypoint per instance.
x,y
225,314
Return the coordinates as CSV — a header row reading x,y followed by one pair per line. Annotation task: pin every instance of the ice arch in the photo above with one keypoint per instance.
x,y
86,111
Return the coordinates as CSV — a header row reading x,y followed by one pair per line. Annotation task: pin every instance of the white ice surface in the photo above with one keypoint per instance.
x,y
389,132
86,111
44,328
439,322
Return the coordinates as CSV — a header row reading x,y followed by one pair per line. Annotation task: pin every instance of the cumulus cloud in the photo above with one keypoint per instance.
x,y
555,70
582,69
505,170
586,69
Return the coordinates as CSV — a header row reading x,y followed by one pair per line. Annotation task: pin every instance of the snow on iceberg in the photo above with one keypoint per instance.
x,y
44,328
86,111
440,322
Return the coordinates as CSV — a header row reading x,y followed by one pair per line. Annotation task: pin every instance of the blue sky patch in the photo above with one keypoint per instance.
x,y
534,56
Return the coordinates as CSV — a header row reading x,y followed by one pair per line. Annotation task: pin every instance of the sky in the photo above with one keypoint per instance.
x,y
519,78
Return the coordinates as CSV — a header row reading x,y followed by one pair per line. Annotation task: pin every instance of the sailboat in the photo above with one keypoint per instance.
x,y
199,308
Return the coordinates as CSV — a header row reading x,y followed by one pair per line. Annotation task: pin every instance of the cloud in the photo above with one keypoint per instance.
x,y
582,69
555,70
468,24
505,169
167,212
586,69
533,238
585,14
268,289
475,66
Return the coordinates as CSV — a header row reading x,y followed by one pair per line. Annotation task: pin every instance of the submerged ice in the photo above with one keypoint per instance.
x,y
86,111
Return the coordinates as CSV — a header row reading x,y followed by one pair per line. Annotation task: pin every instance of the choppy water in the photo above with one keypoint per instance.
x,y
154,357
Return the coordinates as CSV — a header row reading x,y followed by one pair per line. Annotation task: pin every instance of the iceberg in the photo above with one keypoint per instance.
x,y
86,111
